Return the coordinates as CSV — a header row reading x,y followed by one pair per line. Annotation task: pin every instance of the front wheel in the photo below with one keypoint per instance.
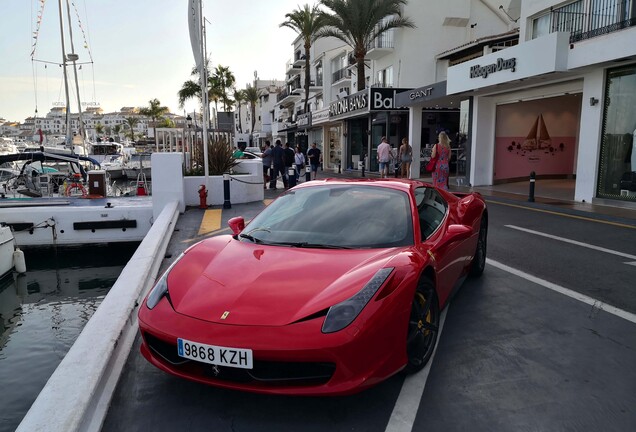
x,y
423,326
478,264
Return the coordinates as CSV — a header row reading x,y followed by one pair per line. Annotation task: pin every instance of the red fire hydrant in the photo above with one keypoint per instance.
x,y
203,197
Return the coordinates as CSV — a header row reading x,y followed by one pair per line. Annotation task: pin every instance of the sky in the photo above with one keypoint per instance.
x,y
140,49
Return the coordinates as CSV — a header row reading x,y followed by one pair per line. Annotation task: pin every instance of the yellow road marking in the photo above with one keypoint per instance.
x,y
211,221
563,214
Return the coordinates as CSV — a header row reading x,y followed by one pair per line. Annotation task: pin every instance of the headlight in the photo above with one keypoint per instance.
x,y
343,314
161,287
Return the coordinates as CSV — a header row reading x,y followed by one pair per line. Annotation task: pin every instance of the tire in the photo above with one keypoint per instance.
x,y
423,326
478,263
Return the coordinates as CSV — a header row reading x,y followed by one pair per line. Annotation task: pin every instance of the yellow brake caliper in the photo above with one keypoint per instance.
x,y
420,323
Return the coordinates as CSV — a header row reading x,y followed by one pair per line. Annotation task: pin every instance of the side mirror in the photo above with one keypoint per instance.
x,y
457,232
237,224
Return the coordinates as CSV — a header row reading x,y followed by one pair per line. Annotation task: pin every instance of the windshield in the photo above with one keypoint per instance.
x,y
344,216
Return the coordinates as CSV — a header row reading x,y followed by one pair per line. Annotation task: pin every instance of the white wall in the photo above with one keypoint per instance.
x,y
590,136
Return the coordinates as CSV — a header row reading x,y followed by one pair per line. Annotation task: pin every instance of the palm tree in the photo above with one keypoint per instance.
x,y
239,97
307,22
223,80
99,128
359,22
251,97
116,131
132,122
189,90
155,111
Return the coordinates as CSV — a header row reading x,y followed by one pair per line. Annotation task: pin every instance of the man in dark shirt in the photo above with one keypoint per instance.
x,y
278,159
289,162
315,159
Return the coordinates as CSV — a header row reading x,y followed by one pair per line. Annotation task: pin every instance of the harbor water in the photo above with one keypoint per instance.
x,y
44,311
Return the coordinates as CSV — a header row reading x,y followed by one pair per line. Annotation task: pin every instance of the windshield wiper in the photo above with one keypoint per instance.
x,y
250,238
310,245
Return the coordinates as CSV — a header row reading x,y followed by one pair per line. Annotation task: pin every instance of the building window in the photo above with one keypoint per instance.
x,y
541,26
319,74
385,78
617,165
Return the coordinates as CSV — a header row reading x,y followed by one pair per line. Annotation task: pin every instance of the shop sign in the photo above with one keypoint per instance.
x,y
304,120
320,116
427,93
501,64
355,102
383,99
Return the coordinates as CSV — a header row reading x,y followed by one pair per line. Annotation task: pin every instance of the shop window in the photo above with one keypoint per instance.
x,y
617,167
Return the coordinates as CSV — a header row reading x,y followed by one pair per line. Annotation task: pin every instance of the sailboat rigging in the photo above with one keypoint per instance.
x,y
77,143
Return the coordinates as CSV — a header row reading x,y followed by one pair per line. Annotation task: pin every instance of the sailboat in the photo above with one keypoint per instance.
x,y
538,138
77,143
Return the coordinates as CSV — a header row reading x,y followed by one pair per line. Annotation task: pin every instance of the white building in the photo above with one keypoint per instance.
x,y
348,124
561,103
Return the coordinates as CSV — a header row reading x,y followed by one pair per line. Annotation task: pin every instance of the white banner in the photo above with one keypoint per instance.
x,y
194,24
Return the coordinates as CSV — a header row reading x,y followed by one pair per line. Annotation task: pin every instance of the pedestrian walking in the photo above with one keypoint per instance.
x,y
267,163
299,162
315,160
278,161
384,157
405,155
442,152
288,158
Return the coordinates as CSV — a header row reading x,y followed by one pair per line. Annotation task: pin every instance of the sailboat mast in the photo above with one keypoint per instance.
x,y
68,98
74,57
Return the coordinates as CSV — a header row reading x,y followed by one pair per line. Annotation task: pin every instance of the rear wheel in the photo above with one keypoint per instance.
x,y
423,326
478,264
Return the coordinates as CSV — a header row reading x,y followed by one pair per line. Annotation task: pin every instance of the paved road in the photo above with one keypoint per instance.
x,y
514,354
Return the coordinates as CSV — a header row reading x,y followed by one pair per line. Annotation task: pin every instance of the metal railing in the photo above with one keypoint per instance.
x,y
282,95
385,40
341,74
585,19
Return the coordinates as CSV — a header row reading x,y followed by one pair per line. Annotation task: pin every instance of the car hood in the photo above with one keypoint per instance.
x,y
226,281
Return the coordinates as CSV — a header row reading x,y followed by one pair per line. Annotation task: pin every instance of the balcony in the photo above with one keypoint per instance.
x,y
289,95
340,75
299,60
380,46
586,19
293,74
292,69
316,84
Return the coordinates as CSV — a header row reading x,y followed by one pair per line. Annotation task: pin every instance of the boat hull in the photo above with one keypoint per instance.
x,y
6,250
77,221
133,173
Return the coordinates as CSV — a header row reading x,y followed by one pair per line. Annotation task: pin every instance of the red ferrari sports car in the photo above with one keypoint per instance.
x,y
334,287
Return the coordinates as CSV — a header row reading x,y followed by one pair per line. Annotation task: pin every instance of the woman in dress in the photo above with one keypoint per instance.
x,y
406,156
441,150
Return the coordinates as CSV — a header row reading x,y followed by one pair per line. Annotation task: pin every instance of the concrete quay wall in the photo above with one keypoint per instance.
x,y
77,395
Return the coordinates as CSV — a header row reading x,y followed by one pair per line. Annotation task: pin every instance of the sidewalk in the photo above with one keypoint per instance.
x,y
555,195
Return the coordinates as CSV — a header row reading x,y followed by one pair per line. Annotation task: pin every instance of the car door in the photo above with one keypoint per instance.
x,y
447,256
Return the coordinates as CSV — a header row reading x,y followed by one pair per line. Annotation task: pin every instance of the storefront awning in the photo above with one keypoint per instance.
x,y
432,96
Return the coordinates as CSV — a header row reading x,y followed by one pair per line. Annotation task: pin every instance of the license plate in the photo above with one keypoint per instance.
x,y
216,355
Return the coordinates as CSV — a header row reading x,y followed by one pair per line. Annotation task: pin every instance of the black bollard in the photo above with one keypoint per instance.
x,y
307,172
363,165
532,181
291,173
226,191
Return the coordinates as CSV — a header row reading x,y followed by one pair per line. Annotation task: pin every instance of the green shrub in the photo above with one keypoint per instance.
x,y
220,159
